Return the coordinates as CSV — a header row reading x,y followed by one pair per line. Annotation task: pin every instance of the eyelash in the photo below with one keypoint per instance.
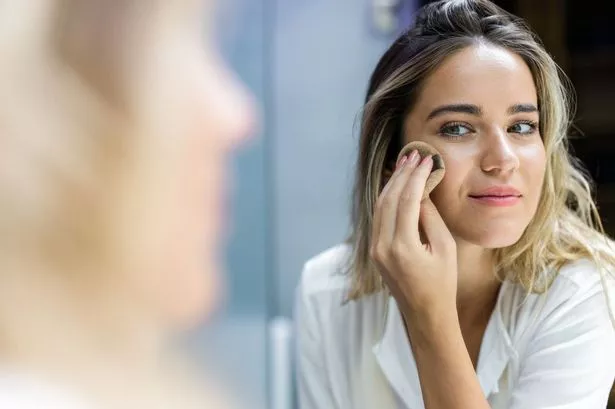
x,y
533,125
453,124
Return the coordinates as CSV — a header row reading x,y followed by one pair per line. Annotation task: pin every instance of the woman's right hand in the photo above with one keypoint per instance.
x,y
410,243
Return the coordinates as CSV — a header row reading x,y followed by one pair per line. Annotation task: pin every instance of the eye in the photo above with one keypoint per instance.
x,y
455,130
524,128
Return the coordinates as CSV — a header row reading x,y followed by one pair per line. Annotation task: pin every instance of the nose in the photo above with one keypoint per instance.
x,y
499,156
236,116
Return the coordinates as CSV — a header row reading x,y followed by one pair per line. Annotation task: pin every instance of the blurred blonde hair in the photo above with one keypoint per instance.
x,y
566,225
69,136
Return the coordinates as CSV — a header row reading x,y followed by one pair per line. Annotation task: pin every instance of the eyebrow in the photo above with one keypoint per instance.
x,y
456,108
522,108
475,110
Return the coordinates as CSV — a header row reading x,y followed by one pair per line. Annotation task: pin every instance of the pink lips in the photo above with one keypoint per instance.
x,y
497,196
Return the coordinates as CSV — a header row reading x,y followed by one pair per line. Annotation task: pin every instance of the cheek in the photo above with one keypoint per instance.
x,y
210,121
450,190
446,197
184,179
196,220
192,122
533,166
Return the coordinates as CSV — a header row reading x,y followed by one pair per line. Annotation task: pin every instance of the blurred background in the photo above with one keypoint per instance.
x,y
308,63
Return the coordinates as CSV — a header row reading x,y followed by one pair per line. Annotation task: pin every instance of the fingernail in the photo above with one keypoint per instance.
x,y
402,161
414,158
427,161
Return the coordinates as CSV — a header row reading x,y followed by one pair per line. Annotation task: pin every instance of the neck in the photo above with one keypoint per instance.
x,y
78,326
477,285
97,343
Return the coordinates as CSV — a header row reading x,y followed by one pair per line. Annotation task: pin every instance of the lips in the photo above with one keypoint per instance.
x,y
497,192
497,196
493,196
496,201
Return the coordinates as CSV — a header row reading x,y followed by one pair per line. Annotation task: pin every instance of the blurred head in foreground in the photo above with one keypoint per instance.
x,y
116,119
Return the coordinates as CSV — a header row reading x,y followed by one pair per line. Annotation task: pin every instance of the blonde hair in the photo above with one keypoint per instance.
x,y
566,225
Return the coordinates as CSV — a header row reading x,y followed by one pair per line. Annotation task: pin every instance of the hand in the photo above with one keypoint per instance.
x,y
410,243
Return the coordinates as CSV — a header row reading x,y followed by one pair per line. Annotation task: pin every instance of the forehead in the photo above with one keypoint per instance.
x,y
485,75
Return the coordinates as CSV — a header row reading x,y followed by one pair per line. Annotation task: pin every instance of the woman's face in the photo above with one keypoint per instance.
x,y
479,109
193,112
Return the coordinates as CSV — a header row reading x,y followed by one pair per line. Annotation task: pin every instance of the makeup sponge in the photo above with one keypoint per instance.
x,y
437,171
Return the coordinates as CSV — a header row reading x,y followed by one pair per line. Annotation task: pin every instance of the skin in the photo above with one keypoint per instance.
x,y
100,328
436,255
192,125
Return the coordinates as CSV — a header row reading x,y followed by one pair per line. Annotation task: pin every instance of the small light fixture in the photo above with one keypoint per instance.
x,y
385,16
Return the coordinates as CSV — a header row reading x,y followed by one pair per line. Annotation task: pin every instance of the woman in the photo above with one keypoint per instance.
x,y
116,122
490,293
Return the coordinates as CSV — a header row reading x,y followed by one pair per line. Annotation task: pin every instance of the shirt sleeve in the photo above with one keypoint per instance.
x,y
570,361
314,389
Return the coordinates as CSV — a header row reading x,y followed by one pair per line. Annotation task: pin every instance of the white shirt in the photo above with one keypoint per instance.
x,y
20,390
555,350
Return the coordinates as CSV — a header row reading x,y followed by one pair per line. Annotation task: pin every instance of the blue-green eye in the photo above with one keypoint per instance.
x,y
455,130
523,128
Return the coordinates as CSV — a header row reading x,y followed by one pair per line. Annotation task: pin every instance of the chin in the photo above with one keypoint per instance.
x,y
500,242
192,310
196,299
493,237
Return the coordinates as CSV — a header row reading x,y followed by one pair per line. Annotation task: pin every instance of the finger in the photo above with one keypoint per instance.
x,y
411,160
436,231
376,221
407,226
386,209
387,204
